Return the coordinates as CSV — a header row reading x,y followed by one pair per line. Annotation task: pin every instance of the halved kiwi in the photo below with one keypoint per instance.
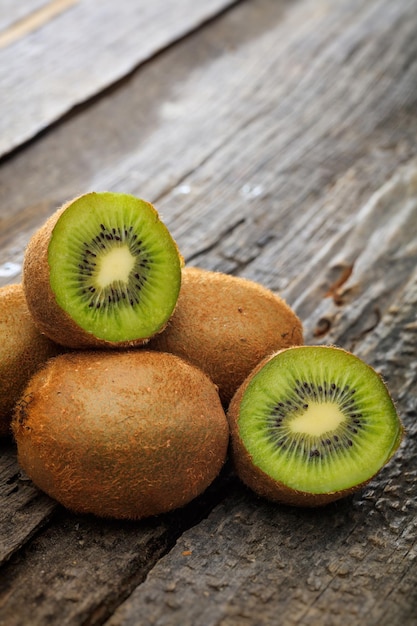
x,y
225,325
123,434
22,350
102,271
312,424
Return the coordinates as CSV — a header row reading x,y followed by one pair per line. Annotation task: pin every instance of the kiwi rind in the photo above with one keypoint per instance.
x,y
225,325
65,321
272,488
23,349
122,434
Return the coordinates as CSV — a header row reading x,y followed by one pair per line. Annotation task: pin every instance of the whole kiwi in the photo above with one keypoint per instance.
x,y
22,350
312,424
102,272
225,325
121,434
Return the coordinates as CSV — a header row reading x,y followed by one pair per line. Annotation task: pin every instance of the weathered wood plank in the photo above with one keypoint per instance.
x,y
79,49
23,508
12,12
364,261
253,178
265,564
351,562
249,156
80,568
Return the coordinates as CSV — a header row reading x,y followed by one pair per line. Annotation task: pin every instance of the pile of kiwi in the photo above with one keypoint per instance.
x,y
127,378
23,349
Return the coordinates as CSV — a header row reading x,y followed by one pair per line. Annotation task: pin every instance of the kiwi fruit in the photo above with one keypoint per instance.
x,y
22,350
225,325
312,424
121,434
103,271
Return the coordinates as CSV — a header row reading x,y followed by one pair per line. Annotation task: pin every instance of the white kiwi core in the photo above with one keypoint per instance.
x,y
317,419
115,265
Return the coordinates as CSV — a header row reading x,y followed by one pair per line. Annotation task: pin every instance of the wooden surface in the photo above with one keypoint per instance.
x,y
63,52
278,141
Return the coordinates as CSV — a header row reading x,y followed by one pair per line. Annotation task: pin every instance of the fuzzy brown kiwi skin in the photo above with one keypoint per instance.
x,y
127,434
225,325
256,479
23,349
50,318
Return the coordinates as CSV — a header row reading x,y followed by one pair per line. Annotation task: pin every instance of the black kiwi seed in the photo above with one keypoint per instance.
x,y
102,271
101,298
313,447
312,424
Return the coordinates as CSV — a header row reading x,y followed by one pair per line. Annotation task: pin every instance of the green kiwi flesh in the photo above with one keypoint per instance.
x,y
122,434
225,325
103,270
312,424
23,349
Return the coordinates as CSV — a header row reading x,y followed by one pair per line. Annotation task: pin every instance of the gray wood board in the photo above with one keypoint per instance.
x,y
278,143
74,53
23,508
13,13
351,562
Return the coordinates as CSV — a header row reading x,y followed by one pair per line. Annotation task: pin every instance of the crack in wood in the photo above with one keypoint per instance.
x,y
318,565
368,329
323,327
335,290
215,243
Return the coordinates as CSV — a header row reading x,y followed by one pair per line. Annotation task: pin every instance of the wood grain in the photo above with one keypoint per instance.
x,y
34,20
75,53
12,12
23,509
278,142
79,568
351,562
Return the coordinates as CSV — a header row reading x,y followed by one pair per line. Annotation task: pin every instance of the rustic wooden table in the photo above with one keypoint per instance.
x,y
278,140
